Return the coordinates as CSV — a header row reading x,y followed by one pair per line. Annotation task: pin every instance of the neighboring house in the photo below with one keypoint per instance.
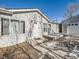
x,y
16,25
71,26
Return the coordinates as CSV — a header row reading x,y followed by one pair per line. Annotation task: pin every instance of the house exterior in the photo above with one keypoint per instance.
x,y
34,20
71,26
17,25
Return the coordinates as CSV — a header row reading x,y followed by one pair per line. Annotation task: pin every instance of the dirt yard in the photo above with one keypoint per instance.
x,y
20,51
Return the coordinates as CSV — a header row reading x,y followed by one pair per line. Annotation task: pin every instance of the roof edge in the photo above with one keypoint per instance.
x,y
17,10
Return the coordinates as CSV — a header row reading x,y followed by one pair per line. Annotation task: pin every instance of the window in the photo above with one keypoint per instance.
x,y
15,25
49,28
68,24
76,24
72,24
60,28
45,27
18,26
77,47
22,27
4,26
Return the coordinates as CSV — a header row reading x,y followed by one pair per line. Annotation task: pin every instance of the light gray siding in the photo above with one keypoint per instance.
x,y
21,24
73,29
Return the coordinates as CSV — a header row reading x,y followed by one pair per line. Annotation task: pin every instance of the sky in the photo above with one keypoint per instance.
x,y
53,9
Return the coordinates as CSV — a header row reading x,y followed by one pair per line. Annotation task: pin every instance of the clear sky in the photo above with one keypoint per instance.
x,y
51,8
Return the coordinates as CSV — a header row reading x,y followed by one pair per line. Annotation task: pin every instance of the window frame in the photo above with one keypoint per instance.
x,y
23,26
19,26
49,29
13,20
76,24
45,28
3,27
72,24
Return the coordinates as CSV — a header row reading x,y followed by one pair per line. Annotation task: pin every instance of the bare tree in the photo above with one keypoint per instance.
x,y
71,10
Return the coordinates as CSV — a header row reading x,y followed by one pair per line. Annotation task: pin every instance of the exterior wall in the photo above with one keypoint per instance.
x,y
34,16
73,30
55,27
50,29
69,29
11,39
45,21
64,29
37,30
